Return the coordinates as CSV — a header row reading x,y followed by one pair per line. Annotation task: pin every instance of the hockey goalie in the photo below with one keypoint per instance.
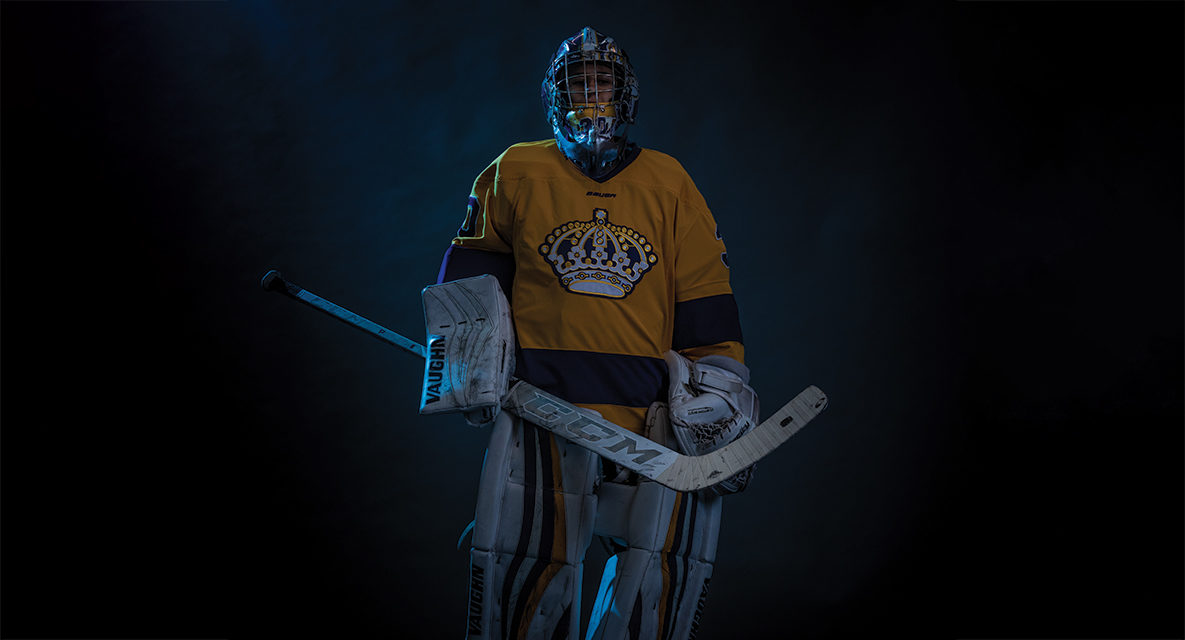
x,y
593,269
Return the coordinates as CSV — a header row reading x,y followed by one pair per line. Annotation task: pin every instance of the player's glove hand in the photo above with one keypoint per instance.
x,y
711,404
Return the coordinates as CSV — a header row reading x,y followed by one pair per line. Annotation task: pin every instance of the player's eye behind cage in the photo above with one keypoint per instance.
x,y
585,82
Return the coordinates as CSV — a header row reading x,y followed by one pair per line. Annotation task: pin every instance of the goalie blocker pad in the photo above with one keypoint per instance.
x,y
470,349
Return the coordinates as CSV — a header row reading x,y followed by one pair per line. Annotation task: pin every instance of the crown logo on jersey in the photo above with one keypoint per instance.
x,y
597,258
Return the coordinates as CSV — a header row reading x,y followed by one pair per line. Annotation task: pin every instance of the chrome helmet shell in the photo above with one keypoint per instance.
x,y
590,98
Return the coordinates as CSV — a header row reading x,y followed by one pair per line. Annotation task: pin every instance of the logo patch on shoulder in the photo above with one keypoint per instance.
x,y
471,214
596,258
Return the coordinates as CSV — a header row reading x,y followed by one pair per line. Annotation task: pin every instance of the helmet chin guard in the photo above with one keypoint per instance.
x,y
590,97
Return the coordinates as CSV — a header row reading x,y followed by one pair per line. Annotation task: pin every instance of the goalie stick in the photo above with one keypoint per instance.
x,y
607,439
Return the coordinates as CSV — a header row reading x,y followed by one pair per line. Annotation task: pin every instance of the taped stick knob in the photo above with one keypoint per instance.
x,y
273,281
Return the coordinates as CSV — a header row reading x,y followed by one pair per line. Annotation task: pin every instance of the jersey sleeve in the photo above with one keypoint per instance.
x,y
701,264
482,243
489,218
707,320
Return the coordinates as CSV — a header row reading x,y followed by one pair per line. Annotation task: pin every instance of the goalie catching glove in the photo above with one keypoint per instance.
x,y
470,351
711,404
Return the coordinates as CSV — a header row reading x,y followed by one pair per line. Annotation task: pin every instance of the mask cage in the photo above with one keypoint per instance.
x,y
580,80
568,67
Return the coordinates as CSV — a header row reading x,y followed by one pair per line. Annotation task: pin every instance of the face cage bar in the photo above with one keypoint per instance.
x,y
562,78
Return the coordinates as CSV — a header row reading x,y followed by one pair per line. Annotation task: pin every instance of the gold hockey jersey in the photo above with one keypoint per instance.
x,y
606,276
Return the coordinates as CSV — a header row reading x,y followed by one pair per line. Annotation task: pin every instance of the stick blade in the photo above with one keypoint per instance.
x,y
691,473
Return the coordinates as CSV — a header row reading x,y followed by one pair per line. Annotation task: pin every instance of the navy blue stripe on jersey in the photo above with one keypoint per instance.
x,y
587,377
463,262
705,321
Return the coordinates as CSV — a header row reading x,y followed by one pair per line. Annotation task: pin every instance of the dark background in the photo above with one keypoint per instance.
x,y
962,220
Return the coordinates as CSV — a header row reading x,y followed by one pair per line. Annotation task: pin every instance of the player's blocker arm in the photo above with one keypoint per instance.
x,y
469,356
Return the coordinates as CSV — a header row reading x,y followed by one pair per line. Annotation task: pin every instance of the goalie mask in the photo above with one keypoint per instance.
x,y
590,97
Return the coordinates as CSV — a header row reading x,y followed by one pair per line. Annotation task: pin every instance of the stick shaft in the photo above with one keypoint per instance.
x,y
345,315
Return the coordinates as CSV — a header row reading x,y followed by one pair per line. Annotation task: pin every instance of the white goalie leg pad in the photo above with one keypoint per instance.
x,y
470,348
655,586
534,521
711,404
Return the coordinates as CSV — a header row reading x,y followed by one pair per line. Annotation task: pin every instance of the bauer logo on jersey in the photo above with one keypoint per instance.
x,y
597,258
